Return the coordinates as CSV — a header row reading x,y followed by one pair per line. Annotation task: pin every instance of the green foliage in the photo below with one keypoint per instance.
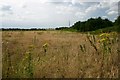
x,y
66,29
92,24
30,66
108,29
105,42
117,24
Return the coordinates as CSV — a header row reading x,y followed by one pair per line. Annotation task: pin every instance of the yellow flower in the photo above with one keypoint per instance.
x,y
107,34
104,34
45,45
102,40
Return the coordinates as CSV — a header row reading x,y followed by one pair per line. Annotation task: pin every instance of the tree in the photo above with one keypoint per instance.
x,y
117,24
92,24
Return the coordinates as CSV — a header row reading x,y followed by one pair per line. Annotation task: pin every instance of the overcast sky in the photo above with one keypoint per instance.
x,y
53,13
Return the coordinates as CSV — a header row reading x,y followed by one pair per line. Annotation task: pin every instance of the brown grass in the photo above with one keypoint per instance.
x,y
63,57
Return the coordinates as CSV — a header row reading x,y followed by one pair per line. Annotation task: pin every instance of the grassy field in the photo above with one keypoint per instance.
x,y
59,54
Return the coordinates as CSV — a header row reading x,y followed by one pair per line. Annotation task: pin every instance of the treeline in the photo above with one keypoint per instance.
x,y
18,29
117,24
93,24
61,28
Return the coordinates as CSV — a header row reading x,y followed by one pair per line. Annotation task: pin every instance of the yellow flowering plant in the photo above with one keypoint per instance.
x,y
105,42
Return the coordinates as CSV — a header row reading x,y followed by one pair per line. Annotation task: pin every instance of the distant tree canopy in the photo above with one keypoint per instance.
x,y
92,24
117,21
61,28
117,24
19,29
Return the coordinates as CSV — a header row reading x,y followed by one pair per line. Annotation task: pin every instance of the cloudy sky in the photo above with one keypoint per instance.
x,y
53,13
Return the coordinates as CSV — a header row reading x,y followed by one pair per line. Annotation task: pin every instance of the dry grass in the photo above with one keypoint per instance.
x,y
63,56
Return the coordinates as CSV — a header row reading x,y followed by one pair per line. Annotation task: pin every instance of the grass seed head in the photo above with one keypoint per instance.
x,y
45,45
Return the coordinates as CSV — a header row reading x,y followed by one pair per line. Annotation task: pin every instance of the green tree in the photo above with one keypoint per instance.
x,y
92,24
117,24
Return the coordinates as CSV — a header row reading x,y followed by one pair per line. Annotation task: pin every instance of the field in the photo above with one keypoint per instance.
x,y
59,54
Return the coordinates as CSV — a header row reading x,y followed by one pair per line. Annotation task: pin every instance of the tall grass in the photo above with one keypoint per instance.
x,y
47,55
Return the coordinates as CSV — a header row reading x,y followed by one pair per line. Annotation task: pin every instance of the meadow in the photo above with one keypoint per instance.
x,y
59,54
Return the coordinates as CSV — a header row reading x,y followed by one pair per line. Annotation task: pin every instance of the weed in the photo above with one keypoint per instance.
x,y
45,47
9,64
30,66
65,55
92,43
83,48
105,42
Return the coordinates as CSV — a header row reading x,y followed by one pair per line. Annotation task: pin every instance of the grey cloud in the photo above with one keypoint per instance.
x,y
55,0
24,6
6,8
